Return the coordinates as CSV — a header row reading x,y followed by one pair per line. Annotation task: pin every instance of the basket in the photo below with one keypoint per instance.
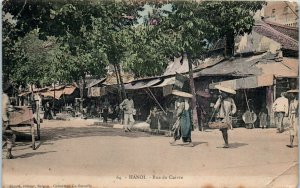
x,y
218,125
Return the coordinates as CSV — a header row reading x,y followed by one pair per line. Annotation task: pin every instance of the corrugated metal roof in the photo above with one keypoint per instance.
x,y
142,84
95,82
167,81
235,67
246,83
177,67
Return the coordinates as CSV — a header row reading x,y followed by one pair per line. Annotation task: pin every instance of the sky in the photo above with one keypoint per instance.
x,y
148,8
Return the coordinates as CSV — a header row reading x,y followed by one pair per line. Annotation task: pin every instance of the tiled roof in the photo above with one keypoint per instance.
x,y
292,32
268,31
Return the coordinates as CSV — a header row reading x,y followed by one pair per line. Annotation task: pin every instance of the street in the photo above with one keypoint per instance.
x,y
77,153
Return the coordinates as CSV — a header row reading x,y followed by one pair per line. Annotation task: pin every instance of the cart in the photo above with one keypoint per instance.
x,y
22,116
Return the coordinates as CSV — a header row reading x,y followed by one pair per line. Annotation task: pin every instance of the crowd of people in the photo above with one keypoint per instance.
x,y
225,108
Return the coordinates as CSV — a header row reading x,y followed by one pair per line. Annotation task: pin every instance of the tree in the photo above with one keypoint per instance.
x,y
72,23
195,25
232,18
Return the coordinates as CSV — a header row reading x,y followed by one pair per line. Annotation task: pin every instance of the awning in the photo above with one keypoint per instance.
x,y
111,79
96,91
166,82
58,93
142,84
68,90
246,83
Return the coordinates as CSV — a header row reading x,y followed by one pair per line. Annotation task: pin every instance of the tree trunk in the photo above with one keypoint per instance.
x,y
193,91
53,97
121,82
229,44
82,86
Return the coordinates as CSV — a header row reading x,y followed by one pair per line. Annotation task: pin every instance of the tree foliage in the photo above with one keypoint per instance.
x,y
83,30
87,35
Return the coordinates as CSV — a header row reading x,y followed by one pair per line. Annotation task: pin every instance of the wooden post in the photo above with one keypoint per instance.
x,y
269,103
194,99
38,119
32,136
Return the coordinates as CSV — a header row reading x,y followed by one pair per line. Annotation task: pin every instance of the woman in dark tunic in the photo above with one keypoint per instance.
x,y
184,122
153,118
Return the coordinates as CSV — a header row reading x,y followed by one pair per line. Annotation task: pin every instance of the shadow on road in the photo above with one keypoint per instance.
x,y
59,133
198,143
235,145
48,134
27,155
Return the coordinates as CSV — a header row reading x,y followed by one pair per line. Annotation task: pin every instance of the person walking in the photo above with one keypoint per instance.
x,y
293,116
183,126
226,108
263,116
280,108
7,133
128,108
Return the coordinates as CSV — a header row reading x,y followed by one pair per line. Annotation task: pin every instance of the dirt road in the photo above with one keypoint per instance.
x,y
78,154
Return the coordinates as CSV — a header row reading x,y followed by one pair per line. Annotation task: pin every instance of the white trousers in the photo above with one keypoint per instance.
x,y
128,120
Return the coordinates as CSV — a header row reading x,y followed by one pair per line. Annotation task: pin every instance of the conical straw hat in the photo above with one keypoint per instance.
x,y
182,94
293,91
225,89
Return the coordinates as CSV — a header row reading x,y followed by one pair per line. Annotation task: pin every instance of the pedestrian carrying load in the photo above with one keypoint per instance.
x,y
182,94
225,106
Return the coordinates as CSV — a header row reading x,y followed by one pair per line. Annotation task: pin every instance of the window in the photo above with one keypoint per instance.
x,y
285,10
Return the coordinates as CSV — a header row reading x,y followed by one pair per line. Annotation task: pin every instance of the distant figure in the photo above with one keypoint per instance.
x,y
263,117
226,107
105,110
184,124
118,112
293,116
203,107
128,107
48,111
7,133
280,108
152,119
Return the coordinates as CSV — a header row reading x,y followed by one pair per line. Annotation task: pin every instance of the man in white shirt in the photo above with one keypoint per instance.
x,y
128,107
281,109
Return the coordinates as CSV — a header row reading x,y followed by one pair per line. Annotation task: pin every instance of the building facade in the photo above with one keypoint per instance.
x,y
281,12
